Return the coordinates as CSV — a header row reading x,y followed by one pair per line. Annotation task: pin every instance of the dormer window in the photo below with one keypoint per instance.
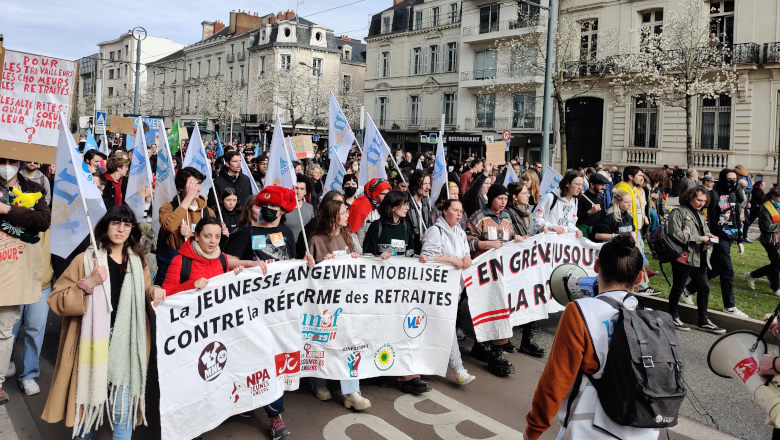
x,y
318,36
286,32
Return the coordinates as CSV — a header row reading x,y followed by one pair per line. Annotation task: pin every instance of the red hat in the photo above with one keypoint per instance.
x,y
277,195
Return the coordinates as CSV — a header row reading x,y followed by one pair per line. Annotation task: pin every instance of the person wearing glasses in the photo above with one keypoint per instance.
x,y
32,172
23,270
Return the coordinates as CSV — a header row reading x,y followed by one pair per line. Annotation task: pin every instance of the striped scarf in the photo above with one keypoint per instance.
x,y
110,360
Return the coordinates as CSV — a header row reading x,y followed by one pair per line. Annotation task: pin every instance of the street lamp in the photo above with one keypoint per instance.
x,y
317,101
139,34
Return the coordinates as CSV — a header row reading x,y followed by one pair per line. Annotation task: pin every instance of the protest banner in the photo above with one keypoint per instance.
x,y
243,340
302,147
151,130
510,286
550,181
495,153
119,124
340,135
34,90
372,163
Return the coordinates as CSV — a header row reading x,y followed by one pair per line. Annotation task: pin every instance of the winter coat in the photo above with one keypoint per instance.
x,y
414,219
563,213
231,218
610,225
442,241
70,302
109,193
40,179
201,268
768,229
240,183
170,221
636,203
472,198
690,239
482,223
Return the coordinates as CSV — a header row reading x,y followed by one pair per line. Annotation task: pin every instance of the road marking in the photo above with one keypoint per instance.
x,y
336,429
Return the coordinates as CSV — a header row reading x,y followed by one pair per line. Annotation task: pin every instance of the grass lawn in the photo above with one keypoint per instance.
x,y
756,303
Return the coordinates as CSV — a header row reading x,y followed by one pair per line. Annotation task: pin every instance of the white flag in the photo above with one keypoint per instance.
x,y
340,135
375,152
550,181
419,164
196,158
336,173
139,178
245,170
439,173
510,176
165,190
278,172
73,187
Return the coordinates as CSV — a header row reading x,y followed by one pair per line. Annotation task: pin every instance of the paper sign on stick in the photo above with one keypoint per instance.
x,y
494,153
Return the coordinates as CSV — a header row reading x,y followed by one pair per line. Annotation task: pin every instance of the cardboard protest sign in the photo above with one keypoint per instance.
x,y
302,146
122,125
34,90
494,153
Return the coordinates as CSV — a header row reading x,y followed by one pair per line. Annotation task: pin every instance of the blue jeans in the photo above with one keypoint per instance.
x,y
347,386
34,317
122,411
644,258
276,408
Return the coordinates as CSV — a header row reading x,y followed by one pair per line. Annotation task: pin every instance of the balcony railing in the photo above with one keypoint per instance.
x,y
641,156
423,124
241,55
518,124
494,73
772,53
506,25
248,119
231,57
745,53
714,159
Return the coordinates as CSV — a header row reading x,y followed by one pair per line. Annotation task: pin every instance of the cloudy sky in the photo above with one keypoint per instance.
x,y
72,29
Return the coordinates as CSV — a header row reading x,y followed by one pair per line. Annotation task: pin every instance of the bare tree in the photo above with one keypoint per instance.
x,y
679,64
216,98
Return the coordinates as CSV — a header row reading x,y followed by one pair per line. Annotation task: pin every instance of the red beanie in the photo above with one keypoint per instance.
x,y
277,195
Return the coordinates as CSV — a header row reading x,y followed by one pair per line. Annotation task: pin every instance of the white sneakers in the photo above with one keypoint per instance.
x,y
687,297
321,393
735,311
750,280
30,387
464,378
11,370
356,401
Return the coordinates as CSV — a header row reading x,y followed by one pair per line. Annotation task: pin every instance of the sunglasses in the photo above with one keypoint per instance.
x,y
2,161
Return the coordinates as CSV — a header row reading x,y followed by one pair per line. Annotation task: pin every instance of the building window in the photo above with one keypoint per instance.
x,y
317,64
722,21
126,50
385,25
208,67
110,91
219,66
715,118
528,13
383,65
434,17
413,112
432,64
454,15
231,74
173,104
589,40
286,62
522,62
488,19
189,100
346,83
189,72
347,55
450,108
486,111
232,48
416,61
417,20
523,109
384,103
645,125
451,62
111,74
198,69
652,23
262,65
485,64
242,74
111,55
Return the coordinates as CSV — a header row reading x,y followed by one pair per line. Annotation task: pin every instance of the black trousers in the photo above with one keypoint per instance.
x,y
721,267
771,270
698,275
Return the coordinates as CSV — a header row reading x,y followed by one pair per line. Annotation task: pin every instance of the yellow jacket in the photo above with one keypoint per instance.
x,y
636,204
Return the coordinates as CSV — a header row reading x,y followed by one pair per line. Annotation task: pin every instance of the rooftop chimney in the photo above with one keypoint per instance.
x,y
208,29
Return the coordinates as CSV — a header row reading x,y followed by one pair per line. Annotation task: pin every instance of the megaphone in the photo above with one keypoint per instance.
x,y
731,356
569,282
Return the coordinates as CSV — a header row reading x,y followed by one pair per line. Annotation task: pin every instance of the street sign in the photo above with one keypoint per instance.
x,y
423,139
359,133
507,146
433,138
506,135
315,138
100,122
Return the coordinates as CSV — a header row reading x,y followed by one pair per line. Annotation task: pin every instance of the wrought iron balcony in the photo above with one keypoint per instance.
x,y
248,119
772,53
516,124
511,72
231,57
537,19
241,55
745,53
422,124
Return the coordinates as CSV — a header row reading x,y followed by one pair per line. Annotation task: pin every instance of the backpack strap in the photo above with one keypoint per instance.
x,y
186,268
555,200
575,390
224,262
647,358
611,301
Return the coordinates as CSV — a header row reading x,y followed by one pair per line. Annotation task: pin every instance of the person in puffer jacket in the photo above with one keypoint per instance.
x,y
557,211
208,260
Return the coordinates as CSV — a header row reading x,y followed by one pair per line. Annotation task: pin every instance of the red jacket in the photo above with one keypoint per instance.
x,y
201,268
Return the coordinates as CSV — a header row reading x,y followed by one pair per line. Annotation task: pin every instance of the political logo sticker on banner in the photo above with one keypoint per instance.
x,y
508,287
340,135
375,152
298,322
550,181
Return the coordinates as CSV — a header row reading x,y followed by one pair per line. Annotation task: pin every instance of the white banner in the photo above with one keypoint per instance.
x,y
244,339
335,179
375,152
196,158
439,179
278,172
340,135
139,177
549,182
510,286
35,90
165,189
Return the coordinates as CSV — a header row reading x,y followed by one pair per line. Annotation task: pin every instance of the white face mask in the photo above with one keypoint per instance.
x,y
7,172
355,168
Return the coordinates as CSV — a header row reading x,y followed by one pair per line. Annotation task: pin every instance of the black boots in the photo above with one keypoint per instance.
x,y
529,347
493,355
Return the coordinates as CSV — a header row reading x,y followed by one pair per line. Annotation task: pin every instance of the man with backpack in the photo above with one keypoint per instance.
x,y
588,358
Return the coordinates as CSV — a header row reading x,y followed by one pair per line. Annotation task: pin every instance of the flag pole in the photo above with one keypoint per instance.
x,y
446,174
300,216
407,183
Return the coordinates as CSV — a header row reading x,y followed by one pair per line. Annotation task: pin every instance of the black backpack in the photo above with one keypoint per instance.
x,y
642,385
186,267
664,248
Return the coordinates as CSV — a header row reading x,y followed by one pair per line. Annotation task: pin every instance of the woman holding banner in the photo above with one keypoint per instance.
x,y
558,209
446,242
332,239
112,375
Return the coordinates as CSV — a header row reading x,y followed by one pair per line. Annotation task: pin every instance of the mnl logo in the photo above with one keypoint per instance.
x,y
415,322
288,363
212,361
257,383
746,368
320,328
311,360
353,361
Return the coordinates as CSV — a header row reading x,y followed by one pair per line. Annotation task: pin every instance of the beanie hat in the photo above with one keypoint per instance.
x,y
496,190
277,195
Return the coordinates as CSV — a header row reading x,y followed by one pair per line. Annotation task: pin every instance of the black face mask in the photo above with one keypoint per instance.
x,y
350,191
732,184
269,215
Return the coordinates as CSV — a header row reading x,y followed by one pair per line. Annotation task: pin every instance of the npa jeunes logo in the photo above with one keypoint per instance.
x,y
320,328
415,322
257,383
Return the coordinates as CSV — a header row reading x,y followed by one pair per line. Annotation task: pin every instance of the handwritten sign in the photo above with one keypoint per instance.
x,y
302,146
494,153
34,90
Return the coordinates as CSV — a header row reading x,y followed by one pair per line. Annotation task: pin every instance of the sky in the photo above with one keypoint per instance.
x,y
71,30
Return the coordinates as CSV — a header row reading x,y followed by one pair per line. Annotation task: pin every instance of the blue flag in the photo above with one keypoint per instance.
x,y
257,150
91,144
220,151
